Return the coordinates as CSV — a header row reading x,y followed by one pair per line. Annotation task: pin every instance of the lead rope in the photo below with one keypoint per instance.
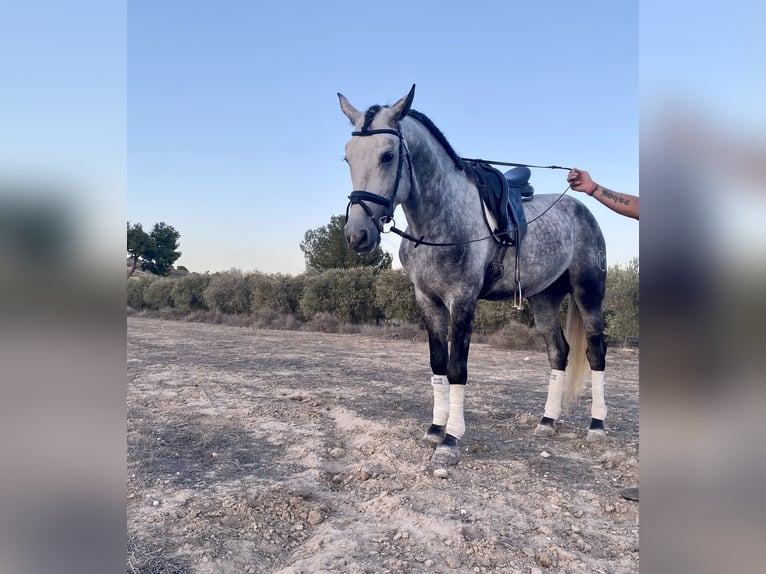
x,y
421,240
563,193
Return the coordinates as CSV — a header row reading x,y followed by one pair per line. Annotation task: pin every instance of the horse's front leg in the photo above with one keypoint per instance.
x,y
436,318
447,451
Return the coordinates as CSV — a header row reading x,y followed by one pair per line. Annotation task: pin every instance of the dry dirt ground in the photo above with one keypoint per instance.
x,y
257,451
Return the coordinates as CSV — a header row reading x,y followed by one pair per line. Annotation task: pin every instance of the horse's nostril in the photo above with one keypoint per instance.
x,y
358,240
361,235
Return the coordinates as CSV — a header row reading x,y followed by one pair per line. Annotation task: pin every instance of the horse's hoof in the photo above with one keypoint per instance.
x,y
545,427
596,435
434,434
630,493
596,431
544,430
447,453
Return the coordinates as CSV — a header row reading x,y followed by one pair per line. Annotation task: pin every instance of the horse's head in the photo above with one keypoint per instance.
x,y
381,172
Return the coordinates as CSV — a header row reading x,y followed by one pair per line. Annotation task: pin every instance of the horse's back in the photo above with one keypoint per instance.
x,y
562,236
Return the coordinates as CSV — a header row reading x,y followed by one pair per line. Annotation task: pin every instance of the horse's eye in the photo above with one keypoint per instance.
x,y
387,157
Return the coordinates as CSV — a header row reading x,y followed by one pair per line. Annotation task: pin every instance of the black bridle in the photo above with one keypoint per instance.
x,y
359,197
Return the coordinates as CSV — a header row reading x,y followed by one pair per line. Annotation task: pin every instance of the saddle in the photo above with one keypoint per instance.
x,y
502,196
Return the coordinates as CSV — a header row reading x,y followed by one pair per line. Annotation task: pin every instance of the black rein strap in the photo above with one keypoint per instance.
x,y
512,164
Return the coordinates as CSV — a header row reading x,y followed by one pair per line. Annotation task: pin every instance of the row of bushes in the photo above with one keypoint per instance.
x,y
360,295
356,295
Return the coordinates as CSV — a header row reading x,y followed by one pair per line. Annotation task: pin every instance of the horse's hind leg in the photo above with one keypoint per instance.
x,y
545,306
589,300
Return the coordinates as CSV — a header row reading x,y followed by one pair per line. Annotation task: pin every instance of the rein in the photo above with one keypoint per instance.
x,y
358,197
512,164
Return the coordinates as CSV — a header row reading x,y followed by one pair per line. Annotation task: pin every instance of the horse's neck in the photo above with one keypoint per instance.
x,y
440,194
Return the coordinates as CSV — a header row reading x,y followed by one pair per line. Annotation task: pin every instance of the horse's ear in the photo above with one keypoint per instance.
x,y
351,112
401,107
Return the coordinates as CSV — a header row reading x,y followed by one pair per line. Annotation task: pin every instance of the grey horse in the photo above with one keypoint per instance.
x,y
397,156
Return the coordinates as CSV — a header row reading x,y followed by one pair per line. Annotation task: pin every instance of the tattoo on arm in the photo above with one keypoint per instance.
x,y
616,197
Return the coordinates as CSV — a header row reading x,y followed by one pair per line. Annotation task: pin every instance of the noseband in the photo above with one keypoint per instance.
x,y
361,196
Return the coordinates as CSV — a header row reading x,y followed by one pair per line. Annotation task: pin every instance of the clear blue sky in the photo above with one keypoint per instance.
x,y
235,136
236,139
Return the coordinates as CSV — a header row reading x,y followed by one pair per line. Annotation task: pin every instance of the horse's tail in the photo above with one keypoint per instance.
x,y
577,366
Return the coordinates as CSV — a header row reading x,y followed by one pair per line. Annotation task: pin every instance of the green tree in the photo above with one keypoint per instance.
x,y
395,295
157,251
347,294
188,292
621,304
139,244
136,289
275,293
165,249
497,315
325,248
159,293
228,292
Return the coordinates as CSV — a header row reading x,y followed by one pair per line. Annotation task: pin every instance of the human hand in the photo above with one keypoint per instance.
x,y
580,180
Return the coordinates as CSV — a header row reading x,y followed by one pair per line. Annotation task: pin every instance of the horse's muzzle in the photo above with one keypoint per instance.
x,y
362,235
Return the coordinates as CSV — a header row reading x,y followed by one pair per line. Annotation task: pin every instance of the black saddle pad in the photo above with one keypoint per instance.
x,y
503,200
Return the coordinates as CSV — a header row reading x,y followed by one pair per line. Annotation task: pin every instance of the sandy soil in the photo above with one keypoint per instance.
x,y
255,451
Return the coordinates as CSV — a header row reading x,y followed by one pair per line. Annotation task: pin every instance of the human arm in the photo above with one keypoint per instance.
x,y
622,203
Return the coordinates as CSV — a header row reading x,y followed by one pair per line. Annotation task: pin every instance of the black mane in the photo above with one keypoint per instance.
x,y
436,132
426,121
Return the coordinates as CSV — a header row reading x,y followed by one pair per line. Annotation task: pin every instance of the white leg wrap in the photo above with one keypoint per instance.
x,y
598,409
441,399
555,390
456,422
